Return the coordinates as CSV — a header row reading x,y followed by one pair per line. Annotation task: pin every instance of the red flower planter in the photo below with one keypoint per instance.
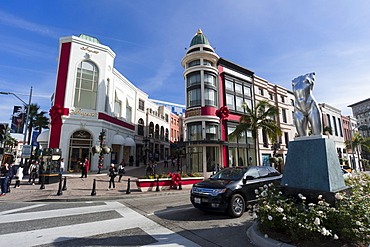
x,y
165,183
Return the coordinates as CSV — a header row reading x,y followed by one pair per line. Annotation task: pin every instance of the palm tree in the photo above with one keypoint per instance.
x,y
36,120
358,143
261,117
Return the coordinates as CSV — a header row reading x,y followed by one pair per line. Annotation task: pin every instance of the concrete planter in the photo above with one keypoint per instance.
x,y
144,184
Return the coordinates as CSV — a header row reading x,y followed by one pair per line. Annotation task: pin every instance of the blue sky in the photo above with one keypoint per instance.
x,y
278,40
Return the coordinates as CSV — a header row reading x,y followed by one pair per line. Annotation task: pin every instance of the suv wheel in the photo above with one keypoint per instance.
x,y
236,206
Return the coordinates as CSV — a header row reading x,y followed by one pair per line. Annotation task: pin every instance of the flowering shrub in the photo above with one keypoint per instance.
x,y
349,220
170,175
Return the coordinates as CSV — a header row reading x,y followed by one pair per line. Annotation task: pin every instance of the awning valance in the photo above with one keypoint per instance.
x,y
119,140
129,142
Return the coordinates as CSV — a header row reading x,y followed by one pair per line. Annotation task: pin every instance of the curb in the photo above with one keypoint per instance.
x,y
110,198
259,240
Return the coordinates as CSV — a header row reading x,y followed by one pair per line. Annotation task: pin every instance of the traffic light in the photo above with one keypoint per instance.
x,y
3,130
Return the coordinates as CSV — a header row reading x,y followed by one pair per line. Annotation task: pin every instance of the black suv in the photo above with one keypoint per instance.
x,y
231,188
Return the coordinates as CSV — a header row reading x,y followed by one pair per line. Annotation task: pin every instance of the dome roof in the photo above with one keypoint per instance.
x,y
199,38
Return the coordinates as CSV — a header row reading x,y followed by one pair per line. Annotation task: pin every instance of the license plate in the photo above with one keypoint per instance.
x,y
197,200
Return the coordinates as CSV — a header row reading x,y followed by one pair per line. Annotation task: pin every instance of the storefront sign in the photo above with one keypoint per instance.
x,y
87,49
83,114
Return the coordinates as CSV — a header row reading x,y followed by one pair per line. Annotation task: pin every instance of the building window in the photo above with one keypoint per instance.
x,y
271,96
106,108
260,91
140,127
239,103
265,139
283,114
247,91
211,132
230,101
128,111
166,117
340,127
238,88
229,85
141,104
209,79
117,106
194,97
193,79
335,126
286,137
282,99
86,85
210,97
195,132
207,63
194,63
292,102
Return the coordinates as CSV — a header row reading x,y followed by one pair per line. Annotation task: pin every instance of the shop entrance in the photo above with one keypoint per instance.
x,y
78,155
79,149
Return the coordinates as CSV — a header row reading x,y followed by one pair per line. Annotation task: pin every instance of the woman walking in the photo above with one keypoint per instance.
x,y
112,174
121,171
18,177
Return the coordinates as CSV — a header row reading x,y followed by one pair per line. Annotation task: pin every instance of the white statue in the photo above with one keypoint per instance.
x,y
306,108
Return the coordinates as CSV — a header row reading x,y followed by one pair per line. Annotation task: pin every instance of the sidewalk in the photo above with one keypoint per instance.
x,y
80,189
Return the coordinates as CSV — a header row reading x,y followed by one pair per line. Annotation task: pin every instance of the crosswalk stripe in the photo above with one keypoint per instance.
x,y
21,209
56,213
132,219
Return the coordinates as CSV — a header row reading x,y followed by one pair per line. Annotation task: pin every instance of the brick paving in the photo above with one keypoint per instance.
x,y
80,189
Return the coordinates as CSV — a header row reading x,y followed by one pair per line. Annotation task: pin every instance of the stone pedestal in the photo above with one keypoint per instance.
x,y
312,167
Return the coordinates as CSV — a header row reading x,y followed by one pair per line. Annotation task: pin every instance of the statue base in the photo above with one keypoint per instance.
x,y
312,167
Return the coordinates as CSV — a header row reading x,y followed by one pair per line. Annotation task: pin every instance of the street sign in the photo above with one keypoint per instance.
x,y
26,151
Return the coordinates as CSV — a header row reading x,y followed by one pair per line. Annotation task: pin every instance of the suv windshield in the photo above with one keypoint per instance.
x,y
230,173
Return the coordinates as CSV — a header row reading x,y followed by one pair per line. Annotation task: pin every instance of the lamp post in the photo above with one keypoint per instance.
x,y
145,140
27,116
102,137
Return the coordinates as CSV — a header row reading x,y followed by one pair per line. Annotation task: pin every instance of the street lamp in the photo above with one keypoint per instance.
x,y
27,116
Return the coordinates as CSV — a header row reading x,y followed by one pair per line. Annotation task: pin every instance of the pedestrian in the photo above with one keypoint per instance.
x,y
12,172
218,168
154,167
18,176
85,168
121,170
4,177
33,171
166,161
148,169
173,161
61,168
112,173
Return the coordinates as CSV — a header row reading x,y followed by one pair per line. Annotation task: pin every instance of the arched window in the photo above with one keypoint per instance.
x,y
157,131
162,133
140,127
167,134
86,85
151,129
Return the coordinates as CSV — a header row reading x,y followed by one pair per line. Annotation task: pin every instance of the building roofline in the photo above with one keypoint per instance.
x,y
234,66
360,102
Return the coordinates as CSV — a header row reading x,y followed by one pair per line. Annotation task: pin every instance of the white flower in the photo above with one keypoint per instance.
x,y
280,210
317,221
254,216
269,217
256,192
265,186
284,218
358,223
264,193
301,196
338,196
319,197
266,236
335,236
320,212
325,232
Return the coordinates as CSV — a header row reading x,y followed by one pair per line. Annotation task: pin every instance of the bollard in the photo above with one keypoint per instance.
x,y
93,192
42,183
65,184
157,189
128,186
60,188
180,187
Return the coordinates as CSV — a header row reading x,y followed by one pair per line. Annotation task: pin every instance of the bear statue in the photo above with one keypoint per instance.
x,y
306,109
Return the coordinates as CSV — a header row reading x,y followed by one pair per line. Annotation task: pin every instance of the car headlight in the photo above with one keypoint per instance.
x,y
215,192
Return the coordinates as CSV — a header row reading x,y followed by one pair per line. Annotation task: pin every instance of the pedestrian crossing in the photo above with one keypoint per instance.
x,y
125,228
